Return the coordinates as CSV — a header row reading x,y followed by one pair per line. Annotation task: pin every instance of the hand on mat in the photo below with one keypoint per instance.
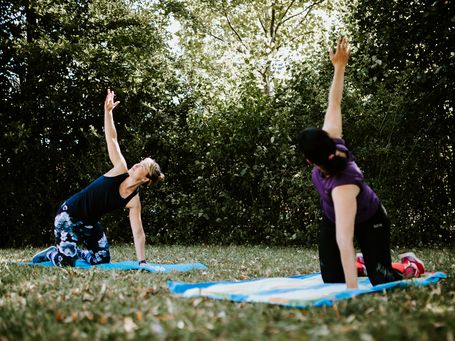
x,y
109,103
144,264
152,267
342,52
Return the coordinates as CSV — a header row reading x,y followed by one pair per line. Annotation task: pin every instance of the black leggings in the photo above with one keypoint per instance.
x,y
373,237
70,232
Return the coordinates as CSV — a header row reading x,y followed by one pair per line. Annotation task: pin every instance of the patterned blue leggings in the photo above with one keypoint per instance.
x,y
69,232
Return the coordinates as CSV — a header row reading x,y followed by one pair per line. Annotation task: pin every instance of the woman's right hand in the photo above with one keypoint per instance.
x,y
342,52
109,103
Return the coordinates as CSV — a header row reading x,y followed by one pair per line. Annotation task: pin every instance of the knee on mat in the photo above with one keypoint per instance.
x,y
383,274
66,254
100,257
60,259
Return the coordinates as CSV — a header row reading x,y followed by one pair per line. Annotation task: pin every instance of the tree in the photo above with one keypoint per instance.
x,y
225,41
404,75
58,58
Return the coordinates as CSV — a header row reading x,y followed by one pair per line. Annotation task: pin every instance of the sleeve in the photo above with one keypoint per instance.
x,y
341,146
352,175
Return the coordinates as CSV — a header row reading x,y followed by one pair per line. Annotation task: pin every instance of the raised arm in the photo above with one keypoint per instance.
x,y
113,148
332,120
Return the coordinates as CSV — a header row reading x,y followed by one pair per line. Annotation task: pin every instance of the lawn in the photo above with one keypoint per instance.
x,y
64,303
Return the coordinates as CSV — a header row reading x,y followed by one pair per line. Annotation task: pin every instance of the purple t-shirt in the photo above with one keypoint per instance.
x,y
367,200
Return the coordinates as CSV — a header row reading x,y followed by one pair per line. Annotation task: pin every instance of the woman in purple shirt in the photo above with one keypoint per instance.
x,y
350,207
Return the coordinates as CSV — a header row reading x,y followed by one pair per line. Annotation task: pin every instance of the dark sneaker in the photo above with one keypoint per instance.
x,y
413,267
360,265
42,256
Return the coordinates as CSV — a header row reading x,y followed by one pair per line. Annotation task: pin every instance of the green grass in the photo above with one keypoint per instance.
x,y
51,303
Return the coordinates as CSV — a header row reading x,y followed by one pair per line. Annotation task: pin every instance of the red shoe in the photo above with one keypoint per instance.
x,y
413,267
360,265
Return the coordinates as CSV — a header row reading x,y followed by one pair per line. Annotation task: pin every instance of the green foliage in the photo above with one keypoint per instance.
x,y
397,111
224,144
403,70
49,303
241,179
60,58
224,42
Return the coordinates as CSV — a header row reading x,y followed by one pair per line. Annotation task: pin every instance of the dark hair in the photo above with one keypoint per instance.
x,y
319,148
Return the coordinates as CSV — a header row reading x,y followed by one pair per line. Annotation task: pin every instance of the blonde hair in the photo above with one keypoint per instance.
x,y
154,169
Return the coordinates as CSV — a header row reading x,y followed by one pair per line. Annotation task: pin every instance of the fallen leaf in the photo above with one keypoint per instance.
x,y
59,316
129,325
87,297
102,319
196,302
366,337
337,313
350,318
164,317
103,292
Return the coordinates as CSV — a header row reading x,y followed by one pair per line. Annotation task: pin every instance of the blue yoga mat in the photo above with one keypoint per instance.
x,y
295,291
130,265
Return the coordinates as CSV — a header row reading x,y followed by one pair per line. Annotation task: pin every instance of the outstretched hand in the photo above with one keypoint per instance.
x,y
109,103
342,52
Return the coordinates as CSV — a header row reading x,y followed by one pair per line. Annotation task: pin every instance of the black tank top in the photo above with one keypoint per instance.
x,y
98,198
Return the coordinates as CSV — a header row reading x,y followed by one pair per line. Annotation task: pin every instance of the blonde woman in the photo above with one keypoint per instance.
x,y
77,219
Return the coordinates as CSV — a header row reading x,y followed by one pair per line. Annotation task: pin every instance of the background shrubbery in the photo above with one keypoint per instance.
x,y
232,173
